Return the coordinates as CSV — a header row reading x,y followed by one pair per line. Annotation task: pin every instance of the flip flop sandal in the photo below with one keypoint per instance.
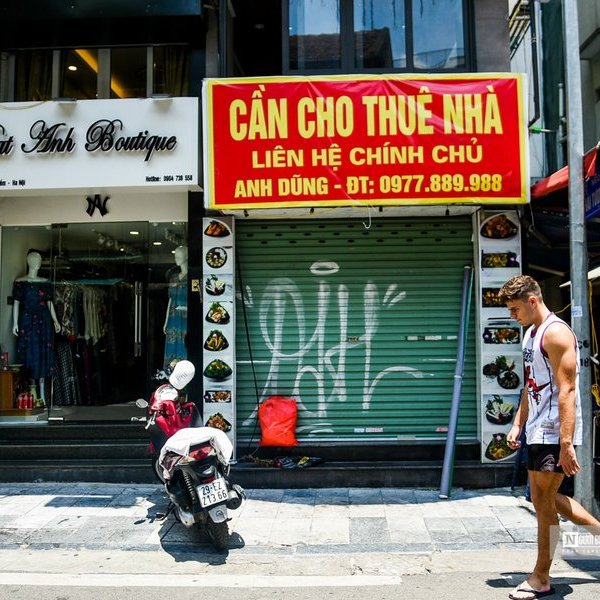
x,y
533,594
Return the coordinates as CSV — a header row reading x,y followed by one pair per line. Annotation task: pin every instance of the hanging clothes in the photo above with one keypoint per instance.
x,y
66,384
176,326
35,344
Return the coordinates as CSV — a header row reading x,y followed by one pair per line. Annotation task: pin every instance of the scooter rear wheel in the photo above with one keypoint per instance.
x,y
218,533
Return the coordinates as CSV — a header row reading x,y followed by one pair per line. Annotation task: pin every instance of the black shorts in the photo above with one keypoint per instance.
x,y
543,457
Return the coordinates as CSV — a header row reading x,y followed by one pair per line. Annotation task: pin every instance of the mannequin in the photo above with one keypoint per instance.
x,y
34,320
175,326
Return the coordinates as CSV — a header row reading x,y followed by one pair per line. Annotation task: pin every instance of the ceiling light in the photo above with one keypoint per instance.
x,y
134,233
72,68
157,243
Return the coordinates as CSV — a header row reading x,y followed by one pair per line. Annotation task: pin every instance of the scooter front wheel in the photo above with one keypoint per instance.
x,y
218,533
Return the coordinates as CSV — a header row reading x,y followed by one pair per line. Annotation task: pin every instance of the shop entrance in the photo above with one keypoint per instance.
x,y
110,292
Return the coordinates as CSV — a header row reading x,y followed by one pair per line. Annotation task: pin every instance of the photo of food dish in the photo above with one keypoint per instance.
x,y
217,370
216,257
499,260
499,412
217,229
214,286
497,448
217,314
501,335
508,380
489,297
502,370
218,421
217,396
499,227
216,341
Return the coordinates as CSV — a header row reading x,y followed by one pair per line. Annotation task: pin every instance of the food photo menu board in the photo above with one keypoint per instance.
x,y
501,376
218,301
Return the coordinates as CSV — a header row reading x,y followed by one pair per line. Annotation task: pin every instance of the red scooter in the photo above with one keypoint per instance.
x,y
169,411
192,461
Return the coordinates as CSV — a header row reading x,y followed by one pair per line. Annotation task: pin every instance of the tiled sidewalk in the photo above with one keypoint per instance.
x,y
131,517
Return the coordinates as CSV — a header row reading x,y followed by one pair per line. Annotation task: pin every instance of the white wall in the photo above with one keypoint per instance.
x,y
122,206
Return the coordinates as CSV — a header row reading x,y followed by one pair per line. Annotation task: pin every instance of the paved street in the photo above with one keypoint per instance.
x,y
109,537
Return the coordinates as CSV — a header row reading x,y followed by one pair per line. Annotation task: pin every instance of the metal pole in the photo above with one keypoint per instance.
x,y
580,314
448,465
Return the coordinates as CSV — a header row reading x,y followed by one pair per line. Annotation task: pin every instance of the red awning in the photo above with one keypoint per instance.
x,y
560,179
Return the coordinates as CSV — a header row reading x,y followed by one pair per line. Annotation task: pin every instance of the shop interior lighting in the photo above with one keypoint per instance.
x,y
90,60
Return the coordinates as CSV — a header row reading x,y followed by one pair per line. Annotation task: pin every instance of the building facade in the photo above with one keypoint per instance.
x,y
353,309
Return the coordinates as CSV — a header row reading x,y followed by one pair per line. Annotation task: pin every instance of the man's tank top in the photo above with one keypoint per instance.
x,y
543,424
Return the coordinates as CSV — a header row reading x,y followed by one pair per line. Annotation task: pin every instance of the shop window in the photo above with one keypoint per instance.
x,y
128,72
171,70
90,73
33,75
79,71
370,35
380,34
438,34
314,35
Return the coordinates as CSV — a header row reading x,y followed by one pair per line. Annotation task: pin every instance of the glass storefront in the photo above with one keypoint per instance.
x,y
109,285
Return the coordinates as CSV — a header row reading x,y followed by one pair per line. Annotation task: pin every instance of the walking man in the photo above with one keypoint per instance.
x,y
550,410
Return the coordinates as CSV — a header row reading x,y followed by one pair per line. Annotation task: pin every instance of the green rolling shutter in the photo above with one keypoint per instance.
x,y
358,325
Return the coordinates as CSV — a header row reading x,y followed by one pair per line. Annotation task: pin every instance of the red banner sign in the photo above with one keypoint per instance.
x,y
365,140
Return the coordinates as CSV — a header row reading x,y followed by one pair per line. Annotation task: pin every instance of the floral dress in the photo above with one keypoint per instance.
x,y
35,344
176,328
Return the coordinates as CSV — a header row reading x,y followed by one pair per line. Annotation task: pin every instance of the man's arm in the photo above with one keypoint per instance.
x,y
514,435
559,344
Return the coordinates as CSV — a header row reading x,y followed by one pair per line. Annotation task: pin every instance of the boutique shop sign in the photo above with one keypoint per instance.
x,y
373,140
92,143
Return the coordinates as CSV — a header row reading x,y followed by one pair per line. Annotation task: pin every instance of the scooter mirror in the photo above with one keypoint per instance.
x,y
141,403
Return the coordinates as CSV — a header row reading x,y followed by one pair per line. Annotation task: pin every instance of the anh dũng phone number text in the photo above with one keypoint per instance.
x,y
456,182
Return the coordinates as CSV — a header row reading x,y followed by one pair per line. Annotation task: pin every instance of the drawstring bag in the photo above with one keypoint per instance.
x,y
277,416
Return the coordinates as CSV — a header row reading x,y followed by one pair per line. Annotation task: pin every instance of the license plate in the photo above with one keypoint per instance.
x,y
212,493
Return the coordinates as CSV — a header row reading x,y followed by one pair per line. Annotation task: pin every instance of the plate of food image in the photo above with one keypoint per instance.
x,y
217,396
217,229
497,448
217,370
216,341
499,412
214,286
501,335
502,370
218,421
489,298
218,314
216,257
508,380
499,227
499,260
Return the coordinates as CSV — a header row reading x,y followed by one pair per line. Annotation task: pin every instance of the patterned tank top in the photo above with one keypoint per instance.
x,y
543,424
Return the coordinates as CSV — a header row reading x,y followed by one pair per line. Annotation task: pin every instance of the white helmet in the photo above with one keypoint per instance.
x,y
183,373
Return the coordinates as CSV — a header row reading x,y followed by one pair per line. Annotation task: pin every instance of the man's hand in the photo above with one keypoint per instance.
x,y
513,438
567,459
